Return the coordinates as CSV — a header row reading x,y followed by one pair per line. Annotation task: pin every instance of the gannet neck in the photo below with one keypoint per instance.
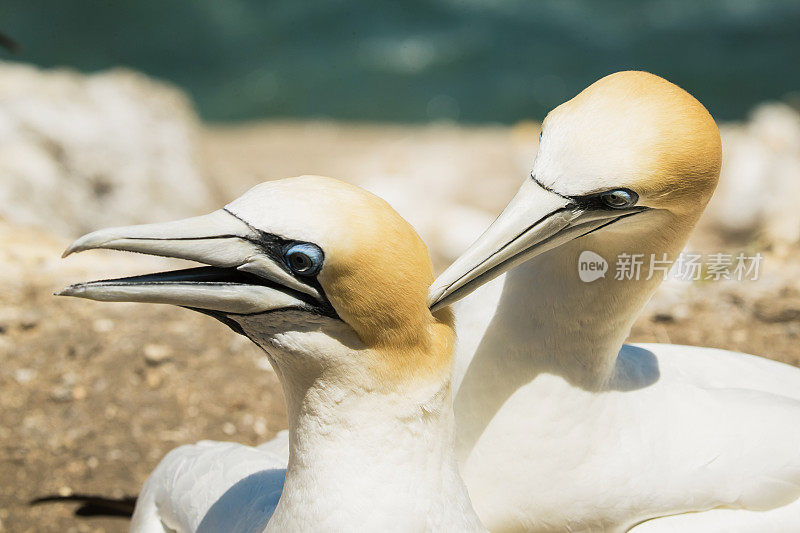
x,y
573,328
573,332
383,460
553,329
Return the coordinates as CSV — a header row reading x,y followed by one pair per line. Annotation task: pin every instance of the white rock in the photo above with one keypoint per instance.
x,y
80,152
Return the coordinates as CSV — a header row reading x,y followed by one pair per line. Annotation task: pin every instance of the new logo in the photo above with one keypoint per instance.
x,y
591,266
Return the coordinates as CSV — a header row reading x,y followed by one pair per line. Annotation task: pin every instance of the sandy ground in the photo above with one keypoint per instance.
x,y
93,395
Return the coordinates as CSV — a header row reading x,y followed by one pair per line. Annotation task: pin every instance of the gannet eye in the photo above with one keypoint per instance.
x,y
619,199
303,259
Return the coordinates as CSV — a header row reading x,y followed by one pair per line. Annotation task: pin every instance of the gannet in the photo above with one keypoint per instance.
x,y
331,283
561,427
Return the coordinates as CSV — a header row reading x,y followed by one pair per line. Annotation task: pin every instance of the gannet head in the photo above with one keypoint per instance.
x,y
632,154
321,274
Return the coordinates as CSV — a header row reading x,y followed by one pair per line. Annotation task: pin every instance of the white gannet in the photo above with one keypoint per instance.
x,y
559,425
331,283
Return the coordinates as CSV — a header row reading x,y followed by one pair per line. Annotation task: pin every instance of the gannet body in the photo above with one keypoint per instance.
x,y
331,283
559,425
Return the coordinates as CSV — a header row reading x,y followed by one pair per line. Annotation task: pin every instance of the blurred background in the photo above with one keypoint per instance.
x,y
420,60
117,113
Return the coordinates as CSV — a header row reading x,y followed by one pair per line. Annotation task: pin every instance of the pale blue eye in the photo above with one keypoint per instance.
x,y
619,199
304,259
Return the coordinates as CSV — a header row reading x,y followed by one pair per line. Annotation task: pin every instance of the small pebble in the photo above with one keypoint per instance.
x,y
103,325
228,428
61,395
65,491
29,320
260,427
114,455
156,354
24,375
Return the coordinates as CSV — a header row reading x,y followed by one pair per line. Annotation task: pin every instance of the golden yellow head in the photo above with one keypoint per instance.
x,y
376,270
626,166
635,130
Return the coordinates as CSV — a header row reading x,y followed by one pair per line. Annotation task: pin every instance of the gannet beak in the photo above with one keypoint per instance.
x,y
243,277
536,220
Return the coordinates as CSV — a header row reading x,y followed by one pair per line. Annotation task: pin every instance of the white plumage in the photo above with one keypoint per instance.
x,y
209,487
678,429
558,425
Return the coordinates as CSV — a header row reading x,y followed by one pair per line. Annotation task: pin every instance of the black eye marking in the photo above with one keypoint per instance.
x,y
613,199
276,247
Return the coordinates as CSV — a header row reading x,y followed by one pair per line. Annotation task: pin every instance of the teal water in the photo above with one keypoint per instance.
x,y
418,60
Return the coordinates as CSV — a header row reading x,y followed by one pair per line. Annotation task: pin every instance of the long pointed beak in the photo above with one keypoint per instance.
x,y
240,277
535,221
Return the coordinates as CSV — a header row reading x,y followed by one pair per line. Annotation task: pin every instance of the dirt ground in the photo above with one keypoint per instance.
x,y
93,395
